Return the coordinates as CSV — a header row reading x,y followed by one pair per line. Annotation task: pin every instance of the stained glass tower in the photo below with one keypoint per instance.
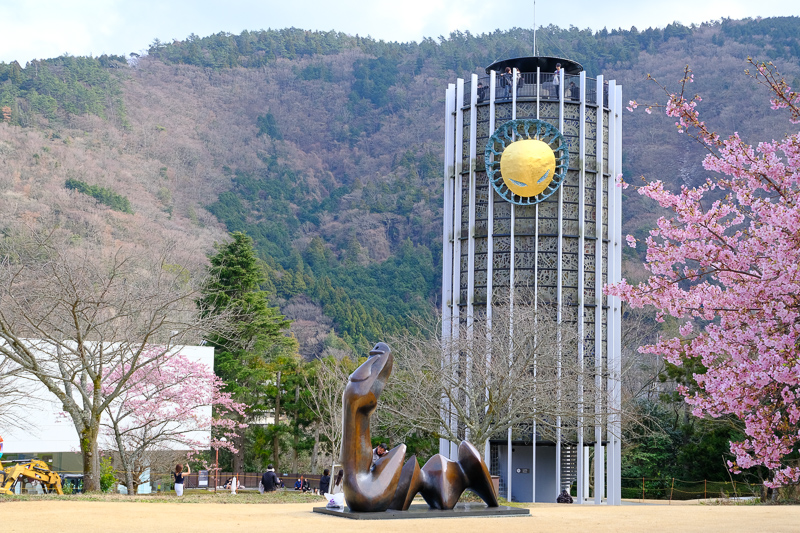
x,y
547,219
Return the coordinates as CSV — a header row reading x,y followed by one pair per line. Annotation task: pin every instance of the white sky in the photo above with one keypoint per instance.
x,y
38,29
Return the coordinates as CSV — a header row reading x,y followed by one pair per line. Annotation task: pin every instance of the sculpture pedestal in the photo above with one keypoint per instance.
x,y
423,511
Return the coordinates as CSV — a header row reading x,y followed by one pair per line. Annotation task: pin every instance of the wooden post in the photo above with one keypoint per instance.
x,y
670,491
642,488
705,489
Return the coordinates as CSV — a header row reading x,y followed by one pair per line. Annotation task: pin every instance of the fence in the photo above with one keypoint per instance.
x,y
679,489
247,480
165,481
527,88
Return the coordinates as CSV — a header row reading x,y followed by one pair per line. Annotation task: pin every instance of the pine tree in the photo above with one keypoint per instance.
x,y
247,354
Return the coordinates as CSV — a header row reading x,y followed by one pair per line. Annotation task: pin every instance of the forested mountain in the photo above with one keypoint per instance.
x,y
327,148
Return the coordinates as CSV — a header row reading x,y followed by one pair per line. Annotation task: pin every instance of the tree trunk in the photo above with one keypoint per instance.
x,y
276,437
315,450
127,467
238,458
294,452
91,459
296,428
129,483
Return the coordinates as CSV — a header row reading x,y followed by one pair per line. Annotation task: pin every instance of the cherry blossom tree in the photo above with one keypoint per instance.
x,y
726,263
167,404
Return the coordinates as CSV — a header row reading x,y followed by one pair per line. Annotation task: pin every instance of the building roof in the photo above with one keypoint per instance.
x,y
529,64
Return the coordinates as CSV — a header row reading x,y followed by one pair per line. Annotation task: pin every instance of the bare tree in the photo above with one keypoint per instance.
x,y
12,395
642,370
645,383
71,315
328,382
486,378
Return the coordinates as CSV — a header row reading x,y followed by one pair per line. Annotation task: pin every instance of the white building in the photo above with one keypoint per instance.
x,y
559,235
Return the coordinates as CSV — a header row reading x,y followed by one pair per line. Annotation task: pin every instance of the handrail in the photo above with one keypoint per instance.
x,y
527,88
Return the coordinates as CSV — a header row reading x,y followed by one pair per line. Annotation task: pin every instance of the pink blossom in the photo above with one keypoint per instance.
x,y
734,264
162,406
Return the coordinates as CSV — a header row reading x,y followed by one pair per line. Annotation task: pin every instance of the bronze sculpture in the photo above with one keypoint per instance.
x,y
390,484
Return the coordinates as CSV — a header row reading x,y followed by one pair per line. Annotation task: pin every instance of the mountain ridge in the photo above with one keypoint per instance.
x,y
327,148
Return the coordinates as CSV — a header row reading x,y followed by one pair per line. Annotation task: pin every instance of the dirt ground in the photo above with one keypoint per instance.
x,y
90,517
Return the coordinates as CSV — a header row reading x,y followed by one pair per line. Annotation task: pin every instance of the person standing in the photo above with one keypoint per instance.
x,y
270,480
325,482
557,79
481,92
507,82
574,92
180,477
338,486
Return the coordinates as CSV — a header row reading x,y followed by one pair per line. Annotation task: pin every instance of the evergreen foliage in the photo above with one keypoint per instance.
x,y
366,302
258,330
779,33
62,86
461,51
278,204
256,346
373,78
268,126
666,442
115,201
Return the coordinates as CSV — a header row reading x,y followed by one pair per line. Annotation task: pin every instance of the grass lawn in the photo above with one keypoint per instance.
x,y
189,496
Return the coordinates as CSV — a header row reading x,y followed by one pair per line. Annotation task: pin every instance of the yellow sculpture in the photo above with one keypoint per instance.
x,y
527,166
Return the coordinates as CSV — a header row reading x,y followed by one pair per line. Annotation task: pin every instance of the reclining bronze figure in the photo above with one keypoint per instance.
x,y
391,484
